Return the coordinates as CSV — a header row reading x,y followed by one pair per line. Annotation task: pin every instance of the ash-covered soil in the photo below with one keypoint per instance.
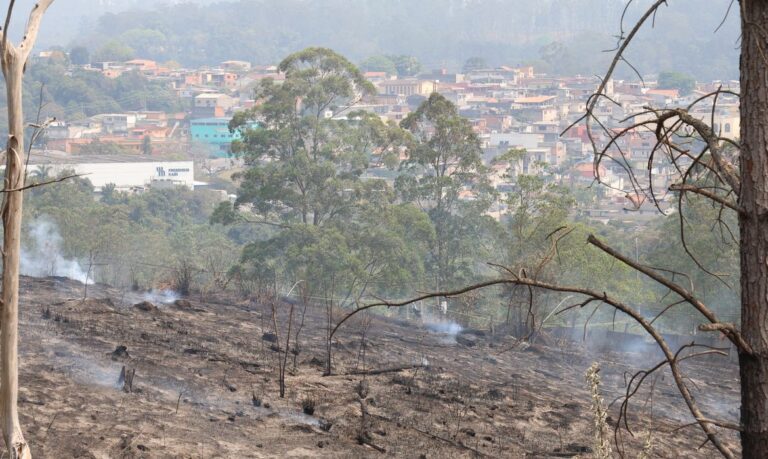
x,y
206,386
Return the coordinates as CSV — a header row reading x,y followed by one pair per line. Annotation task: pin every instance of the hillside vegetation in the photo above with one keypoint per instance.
x,y
438,32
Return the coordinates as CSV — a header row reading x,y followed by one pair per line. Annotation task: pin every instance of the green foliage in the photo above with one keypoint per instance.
x,y
79,55
474,63
379,64
142,42
114,51
135,240
264,31
111,196
711,239
444,160
146,145
73,95
340,234
536,209
302,164
406,66
380,251
381,141
444,152
97,147
322,74
224,213
676,80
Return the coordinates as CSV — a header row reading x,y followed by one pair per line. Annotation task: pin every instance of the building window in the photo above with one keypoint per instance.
x,y
727,127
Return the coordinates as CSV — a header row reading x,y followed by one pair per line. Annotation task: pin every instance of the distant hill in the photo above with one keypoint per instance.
x,y
65,18
559,36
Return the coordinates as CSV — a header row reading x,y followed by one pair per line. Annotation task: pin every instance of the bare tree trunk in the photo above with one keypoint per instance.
x,y
12,211
285,355
88,275
753,223
329,337
296,340
14,60
280,372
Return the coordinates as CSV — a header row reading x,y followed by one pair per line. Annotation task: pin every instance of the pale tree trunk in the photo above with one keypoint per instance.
x,y
9,319
14,59
753,224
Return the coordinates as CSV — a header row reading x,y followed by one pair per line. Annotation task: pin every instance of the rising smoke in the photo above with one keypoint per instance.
x,y
440,324
41,255
161,296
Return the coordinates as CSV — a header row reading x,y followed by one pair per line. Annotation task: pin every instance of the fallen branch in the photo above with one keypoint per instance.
x,y
381,371
372,445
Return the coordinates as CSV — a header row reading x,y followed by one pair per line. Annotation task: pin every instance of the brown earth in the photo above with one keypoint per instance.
x,y
201,367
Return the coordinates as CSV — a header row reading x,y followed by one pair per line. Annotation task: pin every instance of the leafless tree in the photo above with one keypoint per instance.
x,y
14,61
282,353
329,305
733,175
216,267
91,261
362,350
183,274
304,295
282,362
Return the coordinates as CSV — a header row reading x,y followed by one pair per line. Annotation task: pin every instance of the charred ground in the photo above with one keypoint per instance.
x,y
206,385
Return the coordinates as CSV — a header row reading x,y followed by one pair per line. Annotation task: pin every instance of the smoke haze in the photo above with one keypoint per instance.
x,y
42,255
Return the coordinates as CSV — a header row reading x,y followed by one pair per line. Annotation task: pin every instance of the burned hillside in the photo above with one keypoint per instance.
x,y
120,375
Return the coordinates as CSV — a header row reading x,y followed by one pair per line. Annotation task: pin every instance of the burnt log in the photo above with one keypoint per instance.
x,y
269,337
145,306
466,339
120,352
183,304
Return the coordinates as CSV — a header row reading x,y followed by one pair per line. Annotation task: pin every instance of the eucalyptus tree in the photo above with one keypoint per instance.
x,y
444,175
14,62
295,141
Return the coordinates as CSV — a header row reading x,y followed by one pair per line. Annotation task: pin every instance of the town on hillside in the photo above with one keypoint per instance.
x,y
510,108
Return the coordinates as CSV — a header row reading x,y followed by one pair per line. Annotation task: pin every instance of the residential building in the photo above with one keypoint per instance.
x,y
408,87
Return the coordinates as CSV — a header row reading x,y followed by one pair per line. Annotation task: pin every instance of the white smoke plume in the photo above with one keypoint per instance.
x,y
41,255
161,296
437,322
448,328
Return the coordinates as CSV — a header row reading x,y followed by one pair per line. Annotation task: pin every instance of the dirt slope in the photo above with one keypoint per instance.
x,y
202,368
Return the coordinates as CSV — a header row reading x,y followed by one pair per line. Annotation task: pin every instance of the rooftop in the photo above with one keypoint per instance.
x,y
534,99
60,157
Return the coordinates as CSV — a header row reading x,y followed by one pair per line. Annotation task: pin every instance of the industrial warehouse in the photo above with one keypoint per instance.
x,y
126,172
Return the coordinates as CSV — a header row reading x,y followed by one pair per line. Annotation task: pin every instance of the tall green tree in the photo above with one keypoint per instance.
x,y
114,50
474,63
146,145
301,166
444,173
79,55
677,80
406,66
379,64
